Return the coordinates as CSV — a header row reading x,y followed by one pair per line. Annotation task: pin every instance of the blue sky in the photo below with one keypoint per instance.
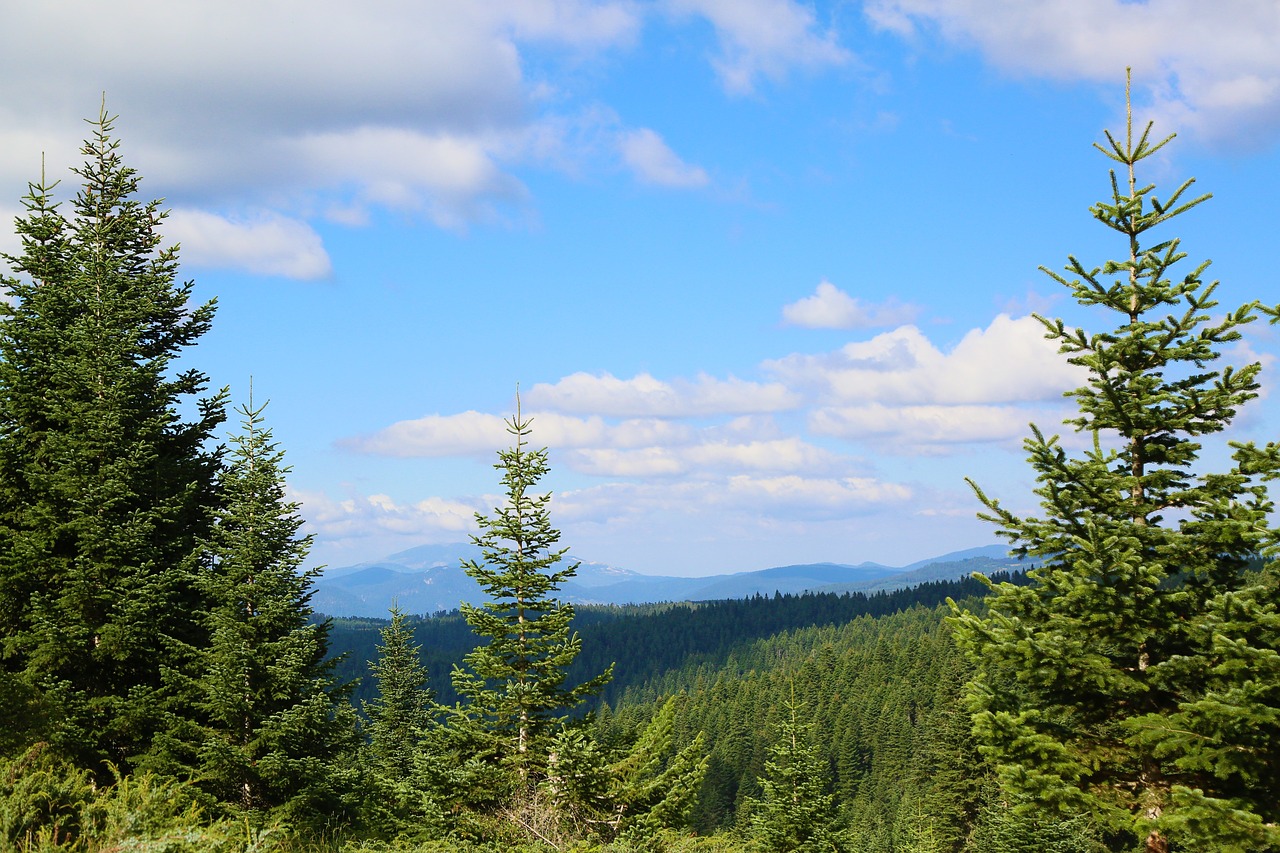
x,y
762,269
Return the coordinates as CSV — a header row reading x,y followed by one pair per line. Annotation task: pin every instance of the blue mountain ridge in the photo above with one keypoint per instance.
x,y
429,579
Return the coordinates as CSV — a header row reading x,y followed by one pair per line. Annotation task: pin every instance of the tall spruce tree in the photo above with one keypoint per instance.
x,y
104,487
277,730
1122,683
514,684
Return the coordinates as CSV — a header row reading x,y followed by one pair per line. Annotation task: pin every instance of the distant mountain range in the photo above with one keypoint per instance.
x,y
429,579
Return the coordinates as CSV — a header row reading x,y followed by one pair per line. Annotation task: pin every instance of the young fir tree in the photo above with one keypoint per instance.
x,y
514,685
654,786
404,707
104,487
403,800
797,811
277,731
634,794
1086,678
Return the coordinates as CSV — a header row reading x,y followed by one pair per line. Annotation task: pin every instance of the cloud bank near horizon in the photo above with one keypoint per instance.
x,y
807,439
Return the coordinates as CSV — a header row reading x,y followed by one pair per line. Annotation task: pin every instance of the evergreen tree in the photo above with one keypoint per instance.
x,y
1231,730
104,488
404,708
278,730
949,763
797,812
1003,828
655,785
404,741
514,685
1143,607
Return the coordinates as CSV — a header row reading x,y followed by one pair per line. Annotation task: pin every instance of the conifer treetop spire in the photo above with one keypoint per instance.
x,y
1079,674
515,683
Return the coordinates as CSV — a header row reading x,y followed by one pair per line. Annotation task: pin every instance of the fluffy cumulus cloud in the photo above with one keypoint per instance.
x,y
295,110
817,440
430,519
451,178
1210,68
1008,361
896,391
653,162
749,500
831,308
921,427
643,395
631,447
755,505
579,23
476,433
705,457
823,496
276,114
267,243
764,39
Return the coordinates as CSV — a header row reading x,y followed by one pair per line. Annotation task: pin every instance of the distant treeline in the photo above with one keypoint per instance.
x,y
645,640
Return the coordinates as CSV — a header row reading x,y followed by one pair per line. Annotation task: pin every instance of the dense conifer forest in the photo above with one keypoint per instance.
x,y
641,641
165,684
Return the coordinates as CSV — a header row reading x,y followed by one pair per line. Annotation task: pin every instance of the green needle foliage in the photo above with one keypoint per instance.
x,y
278,730
104,488
797,811
404,708
514,685
402,739
655,785
1135,679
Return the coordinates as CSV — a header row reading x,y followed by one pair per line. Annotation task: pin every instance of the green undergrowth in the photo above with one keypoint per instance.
x,y
49,806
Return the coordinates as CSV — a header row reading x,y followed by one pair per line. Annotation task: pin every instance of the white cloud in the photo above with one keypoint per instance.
x,y
453,179
918,426
785,454
749,499
764,38
636,447
825,496
706,457
674,457
1211,68
1008,361
254,75
643,462
896,392
478,433
832,308
296,108
268,244
653,162
435,435
10,243
643,395
431,519
576,22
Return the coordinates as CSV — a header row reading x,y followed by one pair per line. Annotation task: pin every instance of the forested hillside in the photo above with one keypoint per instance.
x,y
882,693
643,641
